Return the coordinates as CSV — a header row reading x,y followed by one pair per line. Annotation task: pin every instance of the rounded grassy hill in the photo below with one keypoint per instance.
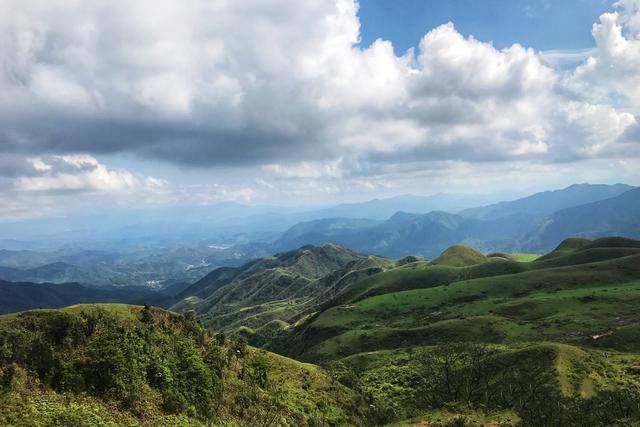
x,y
460,256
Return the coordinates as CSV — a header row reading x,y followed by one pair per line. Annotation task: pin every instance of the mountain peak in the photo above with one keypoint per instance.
x,y
402,216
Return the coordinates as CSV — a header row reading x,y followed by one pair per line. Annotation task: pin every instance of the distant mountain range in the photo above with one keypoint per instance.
x,y
548,202
536,223
381,209
406,234
182,245
618,216
227,223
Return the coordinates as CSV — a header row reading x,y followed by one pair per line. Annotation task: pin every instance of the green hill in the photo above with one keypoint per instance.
x,y
284,287
565,247
568,303
460,256
122,365
503,339
563,326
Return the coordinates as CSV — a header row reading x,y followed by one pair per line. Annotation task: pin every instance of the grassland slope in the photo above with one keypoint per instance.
x,y
554,338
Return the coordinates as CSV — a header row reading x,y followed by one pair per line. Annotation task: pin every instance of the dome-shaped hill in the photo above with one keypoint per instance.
x,y
612,242
571,244
593,251
460,256
565,247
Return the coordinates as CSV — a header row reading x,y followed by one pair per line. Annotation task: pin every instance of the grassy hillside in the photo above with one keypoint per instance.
x,y
565,303
466,339
127,365
282,288
538,384
556,336
460,256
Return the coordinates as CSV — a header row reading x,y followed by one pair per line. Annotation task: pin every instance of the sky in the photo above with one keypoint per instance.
x,y
117,104
539,24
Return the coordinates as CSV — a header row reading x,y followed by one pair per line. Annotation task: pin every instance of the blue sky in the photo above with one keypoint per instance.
x,y
177,102
542,25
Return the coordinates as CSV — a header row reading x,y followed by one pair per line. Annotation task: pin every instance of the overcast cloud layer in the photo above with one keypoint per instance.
x,y
283,91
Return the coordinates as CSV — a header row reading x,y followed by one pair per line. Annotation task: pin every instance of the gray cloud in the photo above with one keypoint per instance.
x,y
194,86
12,166
176,142
282,92
631,135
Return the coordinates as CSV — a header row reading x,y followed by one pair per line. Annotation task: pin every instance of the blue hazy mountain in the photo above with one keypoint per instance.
x,y
616,216
547,202
514,226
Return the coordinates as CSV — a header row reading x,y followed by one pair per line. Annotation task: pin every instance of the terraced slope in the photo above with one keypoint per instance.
x,y
282,288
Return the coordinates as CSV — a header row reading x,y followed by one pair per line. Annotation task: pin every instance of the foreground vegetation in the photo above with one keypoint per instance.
x,y
126,365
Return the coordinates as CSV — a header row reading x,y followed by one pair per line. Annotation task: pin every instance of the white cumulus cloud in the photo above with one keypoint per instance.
x,y
284,91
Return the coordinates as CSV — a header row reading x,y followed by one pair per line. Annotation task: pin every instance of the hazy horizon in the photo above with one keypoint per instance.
x,y
468,200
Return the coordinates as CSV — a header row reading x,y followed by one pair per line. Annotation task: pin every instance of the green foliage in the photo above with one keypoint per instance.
x,y
470,377
122,365
98,353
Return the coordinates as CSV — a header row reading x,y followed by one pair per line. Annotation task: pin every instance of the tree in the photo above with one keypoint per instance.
x,y
146,316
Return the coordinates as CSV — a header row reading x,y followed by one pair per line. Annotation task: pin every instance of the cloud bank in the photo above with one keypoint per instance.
x,y
284,89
